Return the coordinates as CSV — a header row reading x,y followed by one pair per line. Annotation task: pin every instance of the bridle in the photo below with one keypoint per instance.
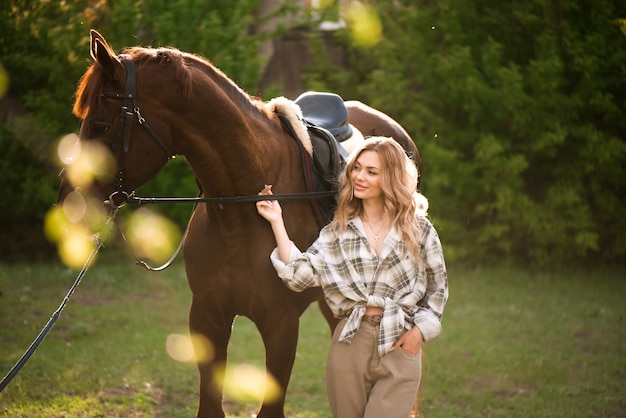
x,y
129,108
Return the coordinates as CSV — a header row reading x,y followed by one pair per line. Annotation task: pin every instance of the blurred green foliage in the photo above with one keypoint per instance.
x,y
44,50
517,109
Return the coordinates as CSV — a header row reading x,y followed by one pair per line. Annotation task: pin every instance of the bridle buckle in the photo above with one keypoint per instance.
x,y
113,203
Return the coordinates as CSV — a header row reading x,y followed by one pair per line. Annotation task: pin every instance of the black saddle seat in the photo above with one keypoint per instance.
x,y
326,110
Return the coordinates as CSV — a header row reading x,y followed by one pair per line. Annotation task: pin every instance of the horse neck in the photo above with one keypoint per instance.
x,y
230,162
231,143
239,149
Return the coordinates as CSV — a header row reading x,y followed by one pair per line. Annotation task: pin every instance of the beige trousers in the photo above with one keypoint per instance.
x,y
360,384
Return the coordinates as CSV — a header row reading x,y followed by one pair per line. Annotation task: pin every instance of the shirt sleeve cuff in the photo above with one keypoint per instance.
x,y
294,253
428,323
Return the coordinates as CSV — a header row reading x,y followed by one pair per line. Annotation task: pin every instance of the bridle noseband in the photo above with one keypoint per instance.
x,y
128,109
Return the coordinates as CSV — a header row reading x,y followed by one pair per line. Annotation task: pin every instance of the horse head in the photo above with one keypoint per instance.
x,y
115,126
147,105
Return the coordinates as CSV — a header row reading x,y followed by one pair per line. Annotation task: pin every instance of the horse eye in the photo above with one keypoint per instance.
x,y
99,128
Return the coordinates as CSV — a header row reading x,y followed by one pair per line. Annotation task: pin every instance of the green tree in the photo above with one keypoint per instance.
x,y
516,107
517,110
44,50
37,54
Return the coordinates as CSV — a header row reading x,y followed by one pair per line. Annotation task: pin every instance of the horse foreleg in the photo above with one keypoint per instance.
x,y
280,337
211,331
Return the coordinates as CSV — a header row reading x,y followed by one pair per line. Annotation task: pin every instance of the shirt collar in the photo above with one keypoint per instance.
x,y
391,240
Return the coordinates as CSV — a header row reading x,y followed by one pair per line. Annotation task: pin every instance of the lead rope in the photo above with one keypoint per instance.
x,y
55,316
144,263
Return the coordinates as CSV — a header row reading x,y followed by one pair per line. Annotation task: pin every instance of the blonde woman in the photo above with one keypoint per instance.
x,y
382,270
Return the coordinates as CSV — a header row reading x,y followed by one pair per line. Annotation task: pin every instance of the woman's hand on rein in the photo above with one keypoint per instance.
x,y
269,209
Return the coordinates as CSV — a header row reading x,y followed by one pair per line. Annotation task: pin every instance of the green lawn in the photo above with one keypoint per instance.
x,y
516,343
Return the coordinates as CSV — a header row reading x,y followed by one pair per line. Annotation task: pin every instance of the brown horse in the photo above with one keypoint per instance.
x,y
234,146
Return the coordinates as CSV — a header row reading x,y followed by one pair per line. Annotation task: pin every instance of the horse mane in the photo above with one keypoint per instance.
x,y
90,85
87,93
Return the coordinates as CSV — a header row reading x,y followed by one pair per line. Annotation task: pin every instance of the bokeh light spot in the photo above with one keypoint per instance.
x,y
74,206
247,383
77,223
179,347
185,348
4,81
75,226
365,26
152,235
68,149
56,224
95,215
88,161
75,247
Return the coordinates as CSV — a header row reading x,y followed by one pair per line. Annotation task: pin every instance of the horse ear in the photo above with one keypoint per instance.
x,y
102,53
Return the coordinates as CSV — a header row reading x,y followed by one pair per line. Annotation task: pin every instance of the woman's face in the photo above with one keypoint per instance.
x,y
365,176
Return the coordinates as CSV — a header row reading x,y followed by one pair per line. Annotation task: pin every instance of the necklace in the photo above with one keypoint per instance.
x,y
376,233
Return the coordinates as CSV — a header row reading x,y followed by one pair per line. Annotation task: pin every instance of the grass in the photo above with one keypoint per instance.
x,y
516,343
531,345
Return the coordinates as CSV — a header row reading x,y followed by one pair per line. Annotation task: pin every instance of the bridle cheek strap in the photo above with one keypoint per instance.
x,y
129,108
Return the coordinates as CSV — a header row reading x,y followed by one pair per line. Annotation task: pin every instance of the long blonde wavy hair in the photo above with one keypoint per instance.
x,y
398,181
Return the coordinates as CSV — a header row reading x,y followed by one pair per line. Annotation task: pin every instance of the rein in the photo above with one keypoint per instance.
x,y
130,108
219,200
121,197
55,316
227,199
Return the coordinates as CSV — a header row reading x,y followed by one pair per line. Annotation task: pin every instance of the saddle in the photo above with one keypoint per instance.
x,y
326,119
328,111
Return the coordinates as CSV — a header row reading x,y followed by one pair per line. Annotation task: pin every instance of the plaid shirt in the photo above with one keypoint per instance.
x,y
353,277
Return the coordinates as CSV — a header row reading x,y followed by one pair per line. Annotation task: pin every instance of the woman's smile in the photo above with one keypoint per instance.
x,y
359,187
